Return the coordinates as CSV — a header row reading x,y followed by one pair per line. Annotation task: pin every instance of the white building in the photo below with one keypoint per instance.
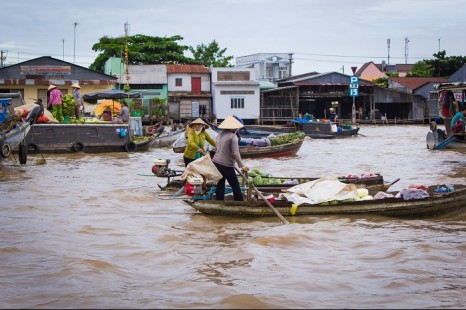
x,y
268,66
235,91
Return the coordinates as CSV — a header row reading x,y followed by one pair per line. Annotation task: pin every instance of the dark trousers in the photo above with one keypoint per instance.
x,y
187,160
229,175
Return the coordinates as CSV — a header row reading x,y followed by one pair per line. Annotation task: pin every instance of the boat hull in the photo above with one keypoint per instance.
x,y
88,138
391,207
12,139
325,130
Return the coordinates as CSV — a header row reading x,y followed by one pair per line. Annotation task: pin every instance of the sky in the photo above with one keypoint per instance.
x,y
323,35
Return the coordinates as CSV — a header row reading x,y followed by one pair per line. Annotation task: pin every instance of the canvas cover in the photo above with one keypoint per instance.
x,y
202,167
321,190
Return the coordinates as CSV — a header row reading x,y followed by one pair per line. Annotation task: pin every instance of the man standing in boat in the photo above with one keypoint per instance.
x,y
333,115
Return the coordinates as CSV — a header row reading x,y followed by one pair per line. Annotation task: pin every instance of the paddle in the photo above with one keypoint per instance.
x,y
263,198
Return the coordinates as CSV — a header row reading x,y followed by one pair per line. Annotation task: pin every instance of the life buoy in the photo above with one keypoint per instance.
x,y
5,149
32,148
131,146
23,153
78,147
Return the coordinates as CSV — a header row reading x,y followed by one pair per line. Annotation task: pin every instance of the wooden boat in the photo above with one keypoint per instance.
x,y
167,137
436,204
373,184
250,151
327,130
13,131
436,140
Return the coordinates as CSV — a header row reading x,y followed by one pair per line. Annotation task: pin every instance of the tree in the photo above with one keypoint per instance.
x,y
439,66
142,49
211,55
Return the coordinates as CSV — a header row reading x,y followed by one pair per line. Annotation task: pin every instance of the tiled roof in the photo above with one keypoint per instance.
x,y
187,69
416,82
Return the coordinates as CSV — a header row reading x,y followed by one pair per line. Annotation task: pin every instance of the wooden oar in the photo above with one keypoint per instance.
x,y
263,198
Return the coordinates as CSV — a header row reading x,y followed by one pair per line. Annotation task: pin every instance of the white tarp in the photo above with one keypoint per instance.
x,y
321,190
202,167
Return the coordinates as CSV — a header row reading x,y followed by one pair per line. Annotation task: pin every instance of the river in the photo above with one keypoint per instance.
x,y
89,231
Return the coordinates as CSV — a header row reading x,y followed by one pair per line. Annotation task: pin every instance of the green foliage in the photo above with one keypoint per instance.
x,y
68,105
420,69
392,74
440,66
159,107
142,49
126,88
211,55
382,82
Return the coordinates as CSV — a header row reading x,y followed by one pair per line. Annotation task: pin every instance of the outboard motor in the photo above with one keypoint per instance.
x,y
160,167
194,185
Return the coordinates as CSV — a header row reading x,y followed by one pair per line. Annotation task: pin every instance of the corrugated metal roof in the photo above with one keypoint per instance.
x,y
187,69
146,74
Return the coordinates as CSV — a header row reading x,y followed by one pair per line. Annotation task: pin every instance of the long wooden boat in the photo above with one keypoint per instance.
x,y
436,204
251,151
248,151
327,130
167,138
373,184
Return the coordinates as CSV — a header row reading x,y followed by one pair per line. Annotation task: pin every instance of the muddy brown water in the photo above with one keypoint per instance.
x,y
87,231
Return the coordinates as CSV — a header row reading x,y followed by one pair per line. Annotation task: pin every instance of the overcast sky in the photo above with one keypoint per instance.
x,y
323,35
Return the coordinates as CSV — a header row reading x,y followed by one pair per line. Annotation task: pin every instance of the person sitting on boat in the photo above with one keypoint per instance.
x,y
123,116
226,155
197,136
457,122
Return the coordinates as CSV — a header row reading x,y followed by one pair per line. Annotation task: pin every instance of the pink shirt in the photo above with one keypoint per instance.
x,y
55,97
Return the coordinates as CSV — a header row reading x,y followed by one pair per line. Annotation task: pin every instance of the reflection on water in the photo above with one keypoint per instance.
x,y
88,231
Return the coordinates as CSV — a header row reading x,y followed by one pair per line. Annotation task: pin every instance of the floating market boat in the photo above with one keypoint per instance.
x,y
437,201
286,144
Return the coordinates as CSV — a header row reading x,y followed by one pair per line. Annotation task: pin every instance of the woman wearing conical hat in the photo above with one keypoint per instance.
x,y
55,101
226,155
196,138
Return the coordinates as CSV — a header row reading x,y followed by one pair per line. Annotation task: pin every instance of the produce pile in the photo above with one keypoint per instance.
x,y
284,138
257,178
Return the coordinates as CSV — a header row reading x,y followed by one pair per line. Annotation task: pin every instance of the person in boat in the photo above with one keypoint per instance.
x,y
123,116
196,138
457,122
78,108
333,115
226,155
55,102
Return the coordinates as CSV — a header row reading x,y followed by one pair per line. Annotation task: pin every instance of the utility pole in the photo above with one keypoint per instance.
x,y
63,41
406,50
291,61
126,53
74,47
438,74
388,46
2,57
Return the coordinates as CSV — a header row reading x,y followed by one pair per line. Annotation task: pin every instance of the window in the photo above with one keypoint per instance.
x,y
233,76
236,92
237,103
178,82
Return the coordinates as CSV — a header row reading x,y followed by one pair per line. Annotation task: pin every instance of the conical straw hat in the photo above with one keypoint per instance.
x,y
52,87
230,123
199,121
